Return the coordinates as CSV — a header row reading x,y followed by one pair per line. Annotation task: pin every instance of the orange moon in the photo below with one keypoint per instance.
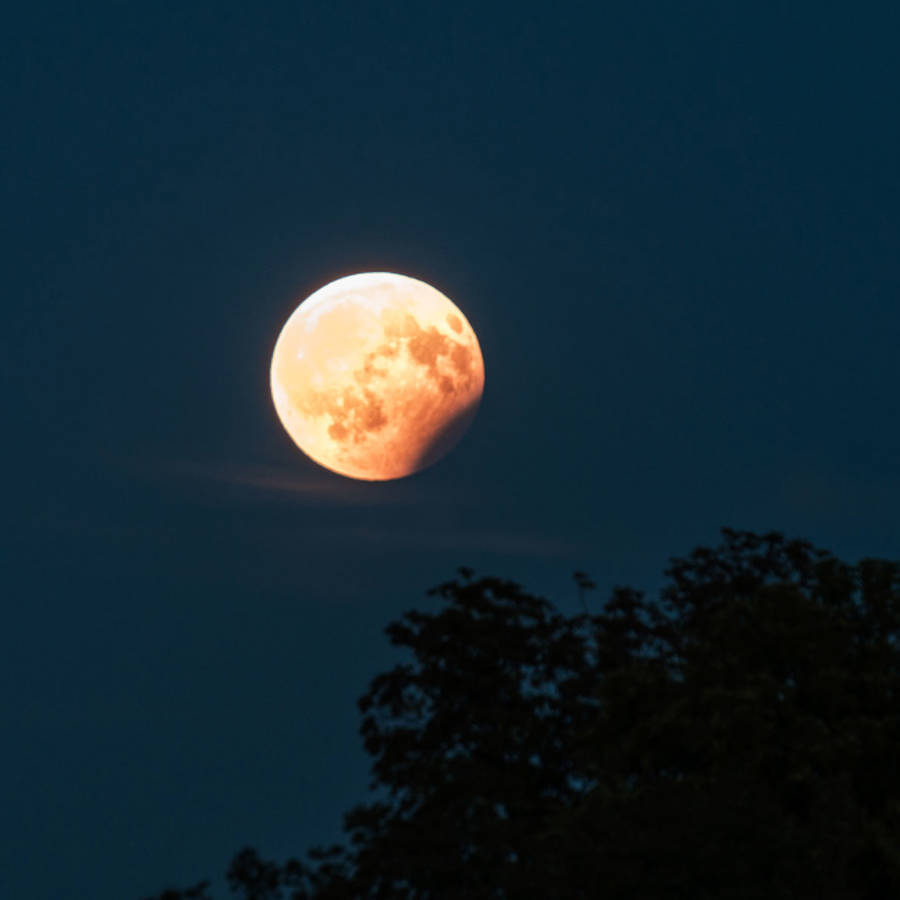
x,y
376,376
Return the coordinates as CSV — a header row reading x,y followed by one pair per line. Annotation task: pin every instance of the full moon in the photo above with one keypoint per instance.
x,y
376,376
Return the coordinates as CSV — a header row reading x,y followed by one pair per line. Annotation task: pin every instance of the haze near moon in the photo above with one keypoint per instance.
x,y
376,376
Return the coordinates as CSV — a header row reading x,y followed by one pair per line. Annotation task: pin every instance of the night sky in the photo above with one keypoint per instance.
x,y
674,228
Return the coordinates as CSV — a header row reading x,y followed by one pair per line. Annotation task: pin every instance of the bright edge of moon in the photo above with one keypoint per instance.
x,y
376,376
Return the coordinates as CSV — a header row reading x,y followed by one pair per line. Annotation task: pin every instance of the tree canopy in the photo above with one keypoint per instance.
x,y
737,737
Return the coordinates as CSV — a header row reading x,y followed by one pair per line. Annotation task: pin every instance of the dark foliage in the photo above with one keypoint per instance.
x,y
736,739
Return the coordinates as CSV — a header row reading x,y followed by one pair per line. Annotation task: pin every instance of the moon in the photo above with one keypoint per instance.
x,y
376,376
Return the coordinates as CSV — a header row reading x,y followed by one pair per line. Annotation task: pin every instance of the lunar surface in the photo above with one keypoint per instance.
x,y
376,376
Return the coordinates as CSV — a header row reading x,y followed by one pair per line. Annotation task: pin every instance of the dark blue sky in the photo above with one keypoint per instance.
x,y
674,228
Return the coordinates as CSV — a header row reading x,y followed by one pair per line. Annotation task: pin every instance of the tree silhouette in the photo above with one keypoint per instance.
x,y
737,738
